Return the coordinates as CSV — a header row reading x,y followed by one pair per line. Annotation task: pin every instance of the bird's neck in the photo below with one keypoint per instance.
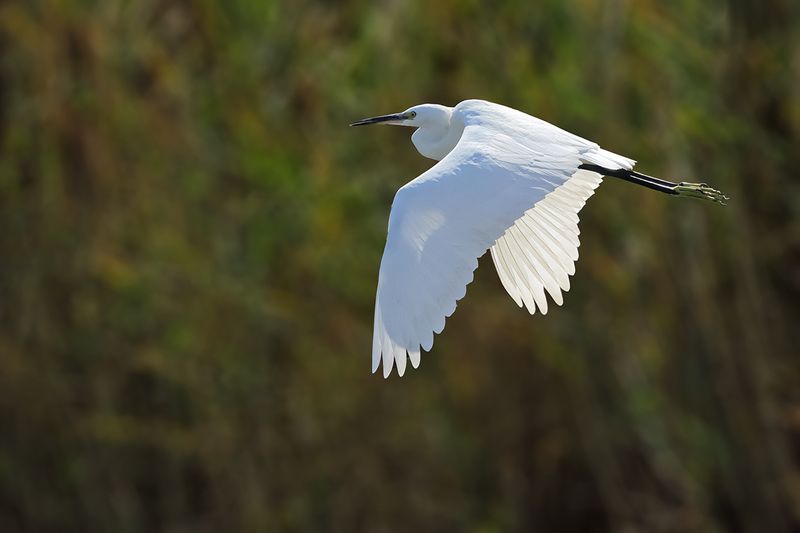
x,y
436,141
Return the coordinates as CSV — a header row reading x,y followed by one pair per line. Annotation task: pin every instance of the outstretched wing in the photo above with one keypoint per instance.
x,y
537,254
444,220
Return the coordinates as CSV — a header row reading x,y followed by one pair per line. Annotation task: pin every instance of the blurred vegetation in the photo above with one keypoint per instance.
x,y
191,237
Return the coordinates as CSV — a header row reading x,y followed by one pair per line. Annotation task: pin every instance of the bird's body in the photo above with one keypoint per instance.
x,y
505,182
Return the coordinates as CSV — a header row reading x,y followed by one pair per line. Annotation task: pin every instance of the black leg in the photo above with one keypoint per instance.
x,y
634,177
693,190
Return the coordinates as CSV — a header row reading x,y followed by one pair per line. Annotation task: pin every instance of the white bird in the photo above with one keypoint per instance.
x,y
505,182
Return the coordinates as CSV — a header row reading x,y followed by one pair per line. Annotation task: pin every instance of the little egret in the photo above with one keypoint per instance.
x,y
505,182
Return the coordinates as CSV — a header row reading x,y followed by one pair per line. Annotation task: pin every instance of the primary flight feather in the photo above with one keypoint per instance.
x,y
505,182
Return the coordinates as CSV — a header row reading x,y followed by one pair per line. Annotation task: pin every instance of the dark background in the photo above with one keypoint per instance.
x,y
190,237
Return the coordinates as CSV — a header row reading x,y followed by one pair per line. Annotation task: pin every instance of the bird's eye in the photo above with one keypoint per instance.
x,y
412,114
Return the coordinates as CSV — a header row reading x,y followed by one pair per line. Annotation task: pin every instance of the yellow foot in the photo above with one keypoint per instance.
x,y
701,191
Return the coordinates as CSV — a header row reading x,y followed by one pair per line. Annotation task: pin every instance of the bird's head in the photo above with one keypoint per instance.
x,y
418,116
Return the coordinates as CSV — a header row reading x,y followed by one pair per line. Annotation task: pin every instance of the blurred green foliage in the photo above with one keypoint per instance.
x,y
190,237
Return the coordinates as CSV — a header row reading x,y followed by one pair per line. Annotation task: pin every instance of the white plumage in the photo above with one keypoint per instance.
x,y
506,182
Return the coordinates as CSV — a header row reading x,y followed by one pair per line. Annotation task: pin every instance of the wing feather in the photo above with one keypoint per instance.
x,y
549,233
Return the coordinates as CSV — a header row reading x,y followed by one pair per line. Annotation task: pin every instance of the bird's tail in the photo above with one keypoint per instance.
x,y
607,159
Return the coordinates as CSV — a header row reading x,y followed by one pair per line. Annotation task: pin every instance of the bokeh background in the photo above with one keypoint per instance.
x,y
189,244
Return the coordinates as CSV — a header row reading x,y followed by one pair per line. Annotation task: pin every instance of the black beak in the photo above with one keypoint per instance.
x,y
394,117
